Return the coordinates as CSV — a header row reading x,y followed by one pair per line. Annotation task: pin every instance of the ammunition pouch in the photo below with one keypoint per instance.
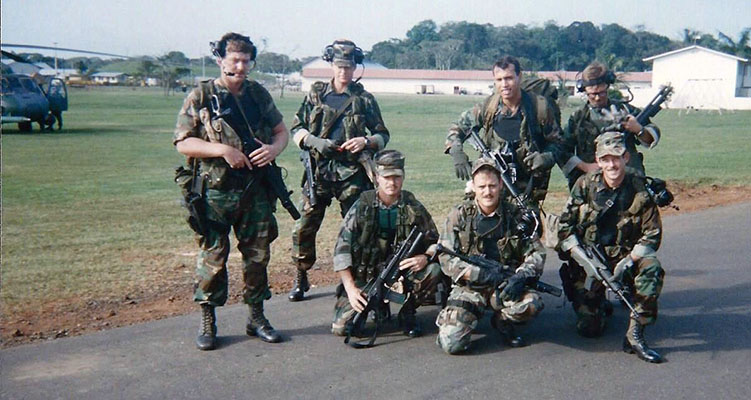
x,y
193,187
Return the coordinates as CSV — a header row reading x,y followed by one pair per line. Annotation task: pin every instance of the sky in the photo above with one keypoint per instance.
x,y
302,28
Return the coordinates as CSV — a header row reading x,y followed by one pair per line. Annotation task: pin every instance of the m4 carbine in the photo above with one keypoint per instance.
x,y
594,264
269,175
483,262
529,223
379,288
309,185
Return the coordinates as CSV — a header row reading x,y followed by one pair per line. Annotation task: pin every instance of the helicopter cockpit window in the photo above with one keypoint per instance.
x,y
11,84
29,85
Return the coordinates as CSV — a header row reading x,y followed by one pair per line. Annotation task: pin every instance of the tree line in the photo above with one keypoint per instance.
x,y
454,45
465,45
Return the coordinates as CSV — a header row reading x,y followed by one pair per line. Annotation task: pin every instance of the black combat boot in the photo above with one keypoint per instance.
x,y
301,286
259,326
634,343
407,319
507,331
206,339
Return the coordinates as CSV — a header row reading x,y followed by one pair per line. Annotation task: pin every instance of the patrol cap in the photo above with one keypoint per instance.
x,y
344,53
610,143
483,162
389,163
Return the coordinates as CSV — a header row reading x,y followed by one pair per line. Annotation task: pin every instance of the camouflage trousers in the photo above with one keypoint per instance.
x,y
255,228
424,284
645,279
306,228
465,308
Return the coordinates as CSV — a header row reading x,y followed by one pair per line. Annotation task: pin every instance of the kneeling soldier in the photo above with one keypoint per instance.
x,y
611,211
484,225
376,222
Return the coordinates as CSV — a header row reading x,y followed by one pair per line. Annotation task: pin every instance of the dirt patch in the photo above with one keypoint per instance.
x,y
69,317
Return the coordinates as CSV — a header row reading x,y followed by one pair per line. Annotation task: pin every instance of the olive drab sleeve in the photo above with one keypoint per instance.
x,y
188,118
453,267
570,216
468,119
532,258
348,234
651,232
374,121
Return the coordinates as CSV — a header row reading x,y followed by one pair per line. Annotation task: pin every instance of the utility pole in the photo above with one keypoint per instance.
x,y
55,43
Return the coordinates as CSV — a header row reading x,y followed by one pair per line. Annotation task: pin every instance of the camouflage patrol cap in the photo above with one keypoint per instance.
x,y
344,53
484,162
389,163
610,143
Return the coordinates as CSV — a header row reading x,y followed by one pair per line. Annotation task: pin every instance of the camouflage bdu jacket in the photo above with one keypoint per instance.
x,y
359,244
195,120
362,114
586,123
460,234
637,228
483,115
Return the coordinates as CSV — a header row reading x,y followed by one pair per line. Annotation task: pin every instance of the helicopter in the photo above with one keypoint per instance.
x,y
25,101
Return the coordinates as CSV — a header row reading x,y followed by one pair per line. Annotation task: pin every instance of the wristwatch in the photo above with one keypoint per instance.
x,y
367,141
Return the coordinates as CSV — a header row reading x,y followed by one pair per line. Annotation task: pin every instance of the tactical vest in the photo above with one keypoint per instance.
x,y
587,130
534,110
508,246
353,119
366,254
216,130
628,228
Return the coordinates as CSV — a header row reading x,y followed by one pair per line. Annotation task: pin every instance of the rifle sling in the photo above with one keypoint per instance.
x,y
327,129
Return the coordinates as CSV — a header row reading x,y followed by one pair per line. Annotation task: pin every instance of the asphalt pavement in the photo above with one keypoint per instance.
x,y
704,331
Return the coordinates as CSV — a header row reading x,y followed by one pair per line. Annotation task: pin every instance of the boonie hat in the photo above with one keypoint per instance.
x,y
610,143
389,163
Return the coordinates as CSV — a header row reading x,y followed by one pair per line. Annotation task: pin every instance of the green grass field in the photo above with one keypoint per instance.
x,y
92,213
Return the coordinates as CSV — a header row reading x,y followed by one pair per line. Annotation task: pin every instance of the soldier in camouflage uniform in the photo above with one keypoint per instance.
x,y
512,118
598,113
484,225
611,209
379,219
214,136
333,123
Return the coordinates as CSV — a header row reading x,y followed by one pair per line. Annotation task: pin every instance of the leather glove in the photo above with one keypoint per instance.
x,y
514,288
461,162
539,161
323,146
622,267
490,276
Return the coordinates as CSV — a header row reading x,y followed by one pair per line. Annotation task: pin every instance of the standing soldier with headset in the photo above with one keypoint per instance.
x,y
331,123
598,113
214,125
523,125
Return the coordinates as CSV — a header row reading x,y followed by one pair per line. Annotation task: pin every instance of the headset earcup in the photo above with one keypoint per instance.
x,y
328,53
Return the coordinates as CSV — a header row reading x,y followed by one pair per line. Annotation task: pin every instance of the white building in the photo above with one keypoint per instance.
x,y
110,78
422,81
704,78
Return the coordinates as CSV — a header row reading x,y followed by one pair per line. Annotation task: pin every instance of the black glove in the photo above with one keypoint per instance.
x,y
323,146
539,161
461,162
514,288
490,276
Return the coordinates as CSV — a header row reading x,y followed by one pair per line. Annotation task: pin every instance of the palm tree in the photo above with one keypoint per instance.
x,y
740,47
